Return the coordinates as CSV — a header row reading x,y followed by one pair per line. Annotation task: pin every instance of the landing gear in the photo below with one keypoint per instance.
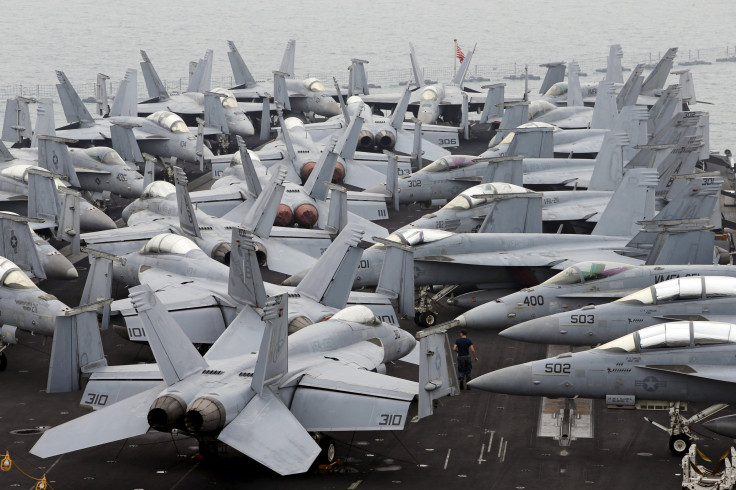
x,y
424,315
328,455
681,436
3,361
679,445
428,318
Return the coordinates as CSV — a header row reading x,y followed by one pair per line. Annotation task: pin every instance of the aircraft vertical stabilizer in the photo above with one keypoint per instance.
x,y
17,124
358,83
316,184
493,107
175,355
154,85
514,213
124,142
605,111
126,100
45,123
507,169
418,74
437,373
463,70
532,142
329,281
657,78
74,109
397,275
348,140
187,216
273,356
201,80
287,62
514,115
245,283
614,70
101,98
555,74
214,114
629,93
53,155
15,238
243,77
574,91
608,170
249,170
260,216
633,201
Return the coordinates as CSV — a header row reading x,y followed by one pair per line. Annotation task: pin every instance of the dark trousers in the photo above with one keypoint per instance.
x,y
464,366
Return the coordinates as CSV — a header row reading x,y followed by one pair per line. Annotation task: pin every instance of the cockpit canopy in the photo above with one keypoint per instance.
x,y
470,198
354,99
539,107
20,173
169,243
229,101
675,334
293,122
236,160
683,288
13,277
556,90
587,272
417,236
314,85
105,155
358,314
169,120
429,93
158,188
448,163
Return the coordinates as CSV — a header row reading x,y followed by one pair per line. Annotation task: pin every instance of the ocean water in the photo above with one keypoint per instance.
x,y
83,38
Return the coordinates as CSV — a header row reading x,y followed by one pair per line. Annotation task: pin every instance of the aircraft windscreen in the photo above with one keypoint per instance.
x,y
429,94
448,163
293,122
358,314
621,344
16,279
641,297
105,155
664,335
556,90
168,243
229,101
587,272
237,160
169,120
416,237
17,172
316,86
468,198
353,99
539,107
158,188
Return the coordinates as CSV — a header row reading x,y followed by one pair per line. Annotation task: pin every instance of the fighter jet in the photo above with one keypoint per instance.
x,y
205,296
295,149
708,298
27,308
580,285
381,133
678,362
263,404
167,208
306,96
307,206
448,102
163,133
194,101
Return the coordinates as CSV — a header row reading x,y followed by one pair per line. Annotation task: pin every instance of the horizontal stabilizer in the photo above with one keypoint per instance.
x,y
269,433
245,283
437,374
127,418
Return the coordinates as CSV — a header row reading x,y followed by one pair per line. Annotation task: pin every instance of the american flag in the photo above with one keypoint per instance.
x,y
459,53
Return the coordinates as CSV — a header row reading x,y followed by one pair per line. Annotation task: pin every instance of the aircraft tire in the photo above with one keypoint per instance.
x,y
3,361
428,319
679,445
329,450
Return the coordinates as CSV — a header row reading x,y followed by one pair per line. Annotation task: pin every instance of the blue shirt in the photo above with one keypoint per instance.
x,y
463,346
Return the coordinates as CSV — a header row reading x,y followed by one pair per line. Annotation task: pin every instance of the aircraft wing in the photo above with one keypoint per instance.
x,y
614,293
93,133
324,130
293,256
335,397
174,104
712,372
578,145
555,177
128,418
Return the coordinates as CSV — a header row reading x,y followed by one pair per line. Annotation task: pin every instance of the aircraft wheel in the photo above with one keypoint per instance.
x,y
329,451
3,361
679,444
428,318
417,315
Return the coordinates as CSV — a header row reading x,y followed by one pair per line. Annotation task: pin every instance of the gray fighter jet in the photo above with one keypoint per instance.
x,y
76,346
194,102
678,362
448,102
306,96
205,296
167,208
163,133
704,298
583,284
263,404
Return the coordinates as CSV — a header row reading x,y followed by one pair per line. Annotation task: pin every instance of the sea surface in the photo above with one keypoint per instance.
x,y
83,38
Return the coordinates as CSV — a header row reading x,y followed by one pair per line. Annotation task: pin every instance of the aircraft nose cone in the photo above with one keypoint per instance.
x,y
136,188
295,279
329,107
56,266
426,117
512,380
377,189
725,426
489,316
545,330
92,219
127,211
242,127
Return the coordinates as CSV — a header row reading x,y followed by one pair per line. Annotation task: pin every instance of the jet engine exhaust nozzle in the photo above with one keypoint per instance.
x,y
385,139
205,415
166,412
